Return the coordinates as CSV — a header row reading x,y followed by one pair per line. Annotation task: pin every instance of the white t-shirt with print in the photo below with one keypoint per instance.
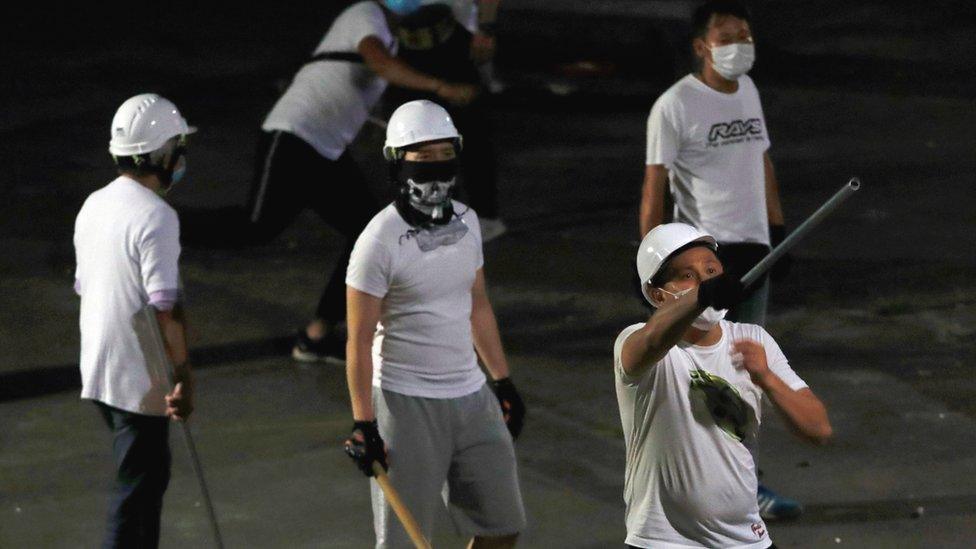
x,y
712,144
423,345
329,101
688,482
127,246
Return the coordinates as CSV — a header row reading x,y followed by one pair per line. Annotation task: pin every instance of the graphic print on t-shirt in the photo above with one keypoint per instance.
x,y
735,131
731,413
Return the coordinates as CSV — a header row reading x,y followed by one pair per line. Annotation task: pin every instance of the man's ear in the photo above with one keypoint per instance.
x,y
657,297
700,48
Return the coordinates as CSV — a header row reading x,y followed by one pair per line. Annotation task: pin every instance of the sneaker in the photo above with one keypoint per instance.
x,y
773,506
491,228
329,349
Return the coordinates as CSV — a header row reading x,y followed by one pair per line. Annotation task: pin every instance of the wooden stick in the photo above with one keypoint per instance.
x,y
409,523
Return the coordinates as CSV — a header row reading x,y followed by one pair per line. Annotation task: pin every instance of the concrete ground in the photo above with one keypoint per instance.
x,y
877,316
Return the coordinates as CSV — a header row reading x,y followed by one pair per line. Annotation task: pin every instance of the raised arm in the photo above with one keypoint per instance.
x,y
804,412
379,60
363,313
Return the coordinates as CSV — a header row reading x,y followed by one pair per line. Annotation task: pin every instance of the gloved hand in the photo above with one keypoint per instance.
x,y
365,446
781,269
513,409
721,292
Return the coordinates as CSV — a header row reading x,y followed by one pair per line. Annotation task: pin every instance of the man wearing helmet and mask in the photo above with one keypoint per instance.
x,y
303,161
127,250
419,318
707,150
689,387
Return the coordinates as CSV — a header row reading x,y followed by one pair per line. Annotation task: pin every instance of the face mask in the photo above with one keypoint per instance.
x,y
402,7
733,60
428,185
707,319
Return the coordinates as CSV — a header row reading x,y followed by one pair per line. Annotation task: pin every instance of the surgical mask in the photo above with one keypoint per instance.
x,y
733,60
402,7
708,318
428,185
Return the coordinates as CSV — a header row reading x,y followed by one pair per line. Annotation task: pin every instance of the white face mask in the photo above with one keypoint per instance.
x,y
707,319
733,60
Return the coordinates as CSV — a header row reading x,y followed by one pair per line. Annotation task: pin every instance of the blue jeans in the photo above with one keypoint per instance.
x,y
140,447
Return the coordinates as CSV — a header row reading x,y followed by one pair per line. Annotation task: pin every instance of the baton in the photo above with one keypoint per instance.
x,y
400,508
787,244
151,340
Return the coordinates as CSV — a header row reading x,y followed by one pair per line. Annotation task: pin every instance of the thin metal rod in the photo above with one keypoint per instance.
x,y
787,244
198,469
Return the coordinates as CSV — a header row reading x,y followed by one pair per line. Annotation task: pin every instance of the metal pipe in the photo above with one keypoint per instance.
x,y
787,244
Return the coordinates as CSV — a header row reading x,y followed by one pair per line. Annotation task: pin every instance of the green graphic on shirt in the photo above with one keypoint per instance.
x,y
730,412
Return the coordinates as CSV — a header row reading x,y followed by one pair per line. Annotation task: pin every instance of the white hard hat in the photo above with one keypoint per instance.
x,y
144,123
660,244
417,122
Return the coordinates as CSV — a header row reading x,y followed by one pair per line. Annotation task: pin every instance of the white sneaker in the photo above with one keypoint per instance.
x,y
491,228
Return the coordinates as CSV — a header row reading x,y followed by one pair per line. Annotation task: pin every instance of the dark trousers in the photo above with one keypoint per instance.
x,y
293,176
140,447
450,61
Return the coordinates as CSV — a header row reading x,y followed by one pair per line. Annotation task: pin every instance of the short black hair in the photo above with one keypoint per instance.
x,y
702,16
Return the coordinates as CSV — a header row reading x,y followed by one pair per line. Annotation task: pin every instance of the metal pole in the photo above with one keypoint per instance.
x,y
787,244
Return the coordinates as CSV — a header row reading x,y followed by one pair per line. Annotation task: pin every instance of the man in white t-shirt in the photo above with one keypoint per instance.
x,y
419,319
707,137
127,248
303,161
689,387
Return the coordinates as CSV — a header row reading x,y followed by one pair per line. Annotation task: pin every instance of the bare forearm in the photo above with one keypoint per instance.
x,y
397,72
660,334
359,375
172,326
774,208
652,198
488,341
803,411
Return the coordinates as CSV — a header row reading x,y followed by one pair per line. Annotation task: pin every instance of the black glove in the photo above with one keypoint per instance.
x,y
365,446
720,292
780,269
513,409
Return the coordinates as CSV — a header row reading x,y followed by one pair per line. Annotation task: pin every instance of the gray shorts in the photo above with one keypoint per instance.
x,y
455,452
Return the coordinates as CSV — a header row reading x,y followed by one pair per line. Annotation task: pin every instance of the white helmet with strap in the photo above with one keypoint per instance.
x,y
661,244
144,124
417,122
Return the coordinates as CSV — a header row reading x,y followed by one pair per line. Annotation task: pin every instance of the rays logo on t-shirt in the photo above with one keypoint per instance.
x,y
736,131
728,409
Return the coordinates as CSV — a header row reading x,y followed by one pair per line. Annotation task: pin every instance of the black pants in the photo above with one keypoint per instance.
x,y
292,176
140,447
450,61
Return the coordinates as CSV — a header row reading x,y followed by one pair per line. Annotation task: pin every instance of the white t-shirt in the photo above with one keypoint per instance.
x,y
127,246
329,101
713,143
423,345
689,482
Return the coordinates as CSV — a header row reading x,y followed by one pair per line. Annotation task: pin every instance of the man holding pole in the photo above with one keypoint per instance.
x,y
127,248
419,319
707,141
690,386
